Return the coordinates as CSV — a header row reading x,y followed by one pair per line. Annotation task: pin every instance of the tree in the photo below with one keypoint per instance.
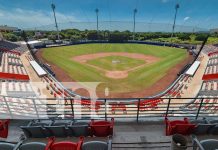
x,y
11,37
184,36
92,35
200,37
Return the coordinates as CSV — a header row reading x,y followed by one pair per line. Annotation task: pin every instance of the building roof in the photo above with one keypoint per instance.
x,y
39,70
8,28
191,71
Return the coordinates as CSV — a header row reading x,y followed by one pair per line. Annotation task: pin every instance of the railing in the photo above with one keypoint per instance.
x,y
138,109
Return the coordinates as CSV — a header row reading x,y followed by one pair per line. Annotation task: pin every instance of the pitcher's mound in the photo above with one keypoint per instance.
x,y
116,74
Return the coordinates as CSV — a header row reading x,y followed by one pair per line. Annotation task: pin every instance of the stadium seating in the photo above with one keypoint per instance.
x,y
53,145
65,145
208,144
183,127
4,125
97,145
78,129
8,45
38,129
202,126
102,128
7,146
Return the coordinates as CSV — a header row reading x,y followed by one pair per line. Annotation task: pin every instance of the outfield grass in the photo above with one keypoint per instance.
x,y
137,80
123,64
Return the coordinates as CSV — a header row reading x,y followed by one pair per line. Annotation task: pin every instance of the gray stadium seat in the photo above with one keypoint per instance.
x,y
96,145
41,123
6,146
79,129
61,122
208,144
33,146
57,131
34,131
214,129
202,126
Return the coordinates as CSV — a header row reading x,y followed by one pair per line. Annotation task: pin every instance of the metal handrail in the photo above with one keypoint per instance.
x,y
132,109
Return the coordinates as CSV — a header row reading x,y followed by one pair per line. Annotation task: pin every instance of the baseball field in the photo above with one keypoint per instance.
x,y
124,68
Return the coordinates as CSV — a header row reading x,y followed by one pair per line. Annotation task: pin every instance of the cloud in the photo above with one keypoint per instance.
x,y
29,19
186,18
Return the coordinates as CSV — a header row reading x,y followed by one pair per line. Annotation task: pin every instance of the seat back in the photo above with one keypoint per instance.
x,y
34,131
209,144
64,146
61,122
4,128
95,145
202,128
214,130
79,129
57,131
184,129
101,128
33,146
6,146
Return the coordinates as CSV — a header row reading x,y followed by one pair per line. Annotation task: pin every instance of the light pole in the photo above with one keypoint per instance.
x,y
134,14
97,11
56,25
176,7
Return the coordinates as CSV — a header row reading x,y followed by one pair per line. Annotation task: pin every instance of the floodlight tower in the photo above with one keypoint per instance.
x,y
97,11
174,22
56,25
134,14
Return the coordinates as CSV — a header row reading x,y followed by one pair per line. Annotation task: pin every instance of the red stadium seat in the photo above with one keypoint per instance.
x,y
65,145
102,128
4,128
179,127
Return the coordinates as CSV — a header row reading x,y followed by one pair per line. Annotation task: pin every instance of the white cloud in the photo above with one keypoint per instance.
x,y
186,18
28,19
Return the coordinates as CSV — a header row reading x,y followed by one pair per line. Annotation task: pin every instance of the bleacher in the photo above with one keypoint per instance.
x,y
8,45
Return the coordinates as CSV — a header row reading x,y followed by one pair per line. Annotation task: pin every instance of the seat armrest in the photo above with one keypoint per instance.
x,y
22,139
195,141
50,142
207,121
186,120
80,143
71,124
109,143
30,123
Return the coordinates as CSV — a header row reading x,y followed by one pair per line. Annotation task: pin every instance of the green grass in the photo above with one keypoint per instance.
x,y
136,80
123,63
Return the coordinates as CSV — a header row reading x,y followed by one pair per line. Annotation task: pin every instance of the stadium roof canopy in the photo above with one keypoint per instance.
x,y
39,70
191,71
32,42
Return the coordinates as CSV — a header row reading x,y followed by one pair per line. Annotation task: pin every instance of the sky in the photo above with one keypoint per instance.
x,y
113,14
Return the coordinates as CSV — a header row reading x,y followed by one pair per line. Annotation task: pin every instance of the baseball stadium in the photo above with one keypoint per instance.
x,y
103,75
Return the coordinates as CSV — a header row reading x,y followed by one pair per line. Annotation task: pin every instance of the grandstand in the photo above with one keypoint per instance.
x,y
39,112
20,97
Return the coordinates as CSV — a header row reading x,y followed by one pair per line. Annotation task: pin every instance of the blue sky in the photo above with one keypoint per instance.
x,y
37,13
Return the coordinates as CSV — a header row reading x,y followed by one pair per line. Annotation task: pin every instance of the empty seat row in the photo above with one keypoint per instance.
x,y
53,145
68,128
187,127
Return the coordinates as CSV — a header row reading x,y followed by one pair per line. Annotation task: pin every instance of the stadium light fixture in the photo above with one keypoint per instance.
x,y
97,11
134,14
174,22
56,25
